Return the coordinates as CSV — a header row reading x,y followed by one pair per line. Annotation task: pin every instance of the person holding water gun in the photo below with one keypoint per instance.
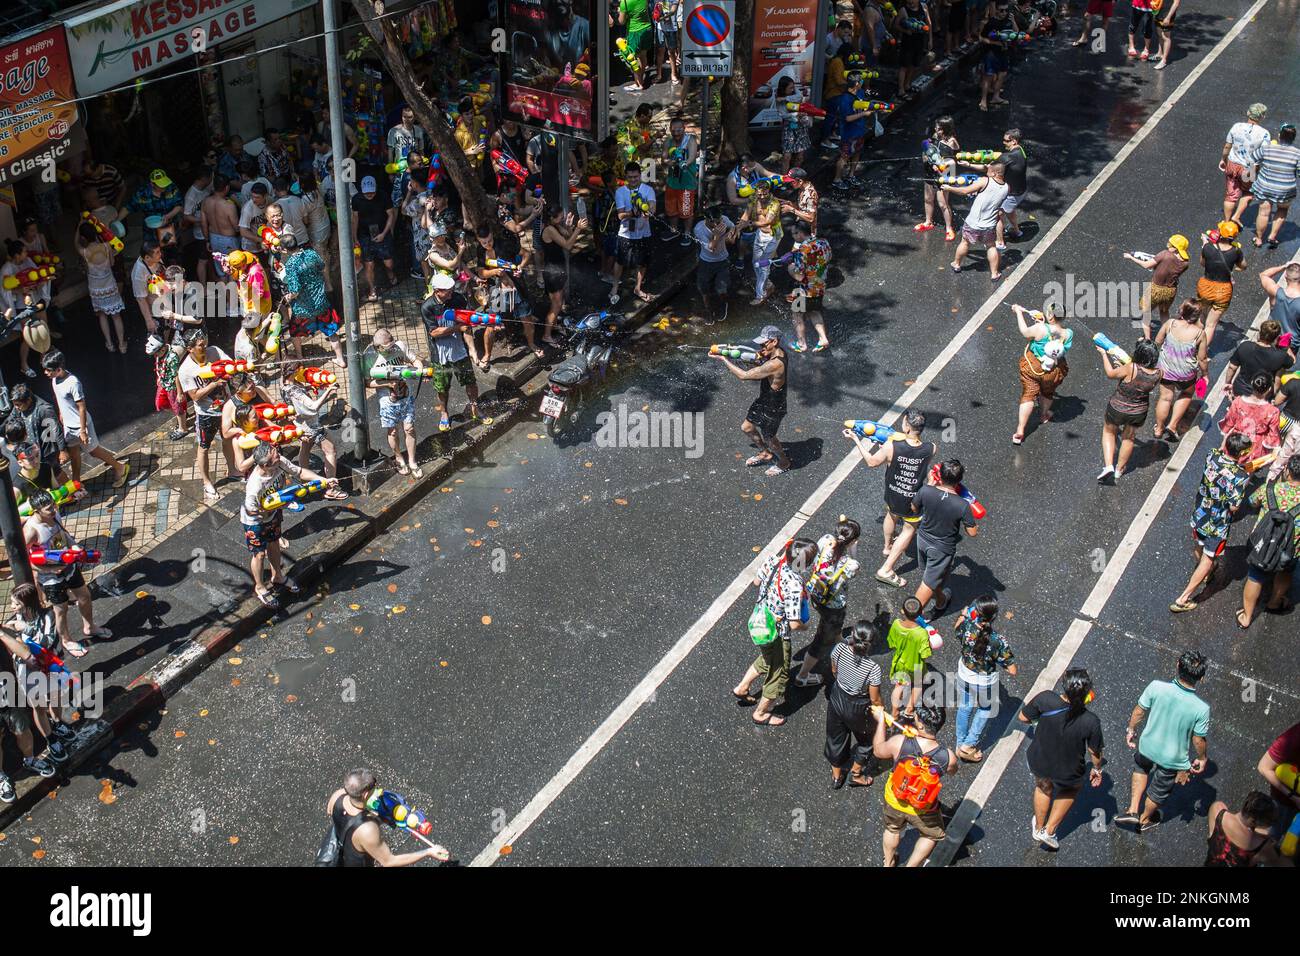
x,y
356,827
854,131
911,25
61,583
795,123
1127,409
938,153
945,514
808,267
635,203
682,181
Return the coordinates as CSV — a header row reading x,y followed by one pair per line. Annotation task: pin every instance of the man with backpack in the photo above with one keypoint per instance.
x,y
912,790
356,828
1274,544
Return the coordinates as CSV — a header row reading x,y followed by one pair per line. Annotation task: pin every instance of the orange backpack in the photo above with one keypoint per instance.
x,y
914,784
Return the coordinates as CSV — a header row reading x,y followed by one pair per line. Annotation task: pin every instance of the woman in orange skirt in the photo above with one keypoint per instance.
x,y
1042,365
1221,256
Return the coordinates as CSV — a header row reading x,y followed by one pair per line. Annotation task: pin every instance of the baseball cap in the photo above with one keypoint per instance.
x,y
1229,229
1256,111
797,172
769,333
160,179
368,184
442,281
1179,242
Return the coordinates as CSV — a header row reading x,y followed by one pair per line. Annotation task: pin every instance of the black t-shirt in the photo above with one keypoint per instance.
x,y
1219,263
372,214
942,515
1060,745
1251,359
1292,392
431,309
1017,171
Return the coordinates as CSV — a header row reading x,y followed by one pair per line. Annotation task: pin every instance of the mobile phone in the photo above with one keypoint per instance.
x,y
581,207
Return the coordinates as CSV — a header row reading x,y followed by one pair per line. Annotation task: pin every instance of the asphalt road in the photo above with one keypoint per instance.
x,y
469,654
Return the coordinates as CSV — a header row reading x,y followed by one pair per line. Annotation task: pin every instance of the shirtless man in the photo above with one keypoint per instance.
x,y
219,219
765,414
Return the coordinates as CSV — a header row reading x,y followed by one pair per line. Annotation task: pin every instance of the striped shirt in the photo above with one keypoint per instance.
x,y
854,674
1279,168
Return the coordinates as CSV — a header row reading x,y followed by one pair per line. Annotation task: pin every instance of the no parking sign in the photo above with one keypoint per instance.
x,y
708,37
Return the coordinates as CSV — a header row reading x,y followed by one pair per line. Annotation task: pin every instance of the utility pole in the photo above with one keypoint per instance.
x,y
344,175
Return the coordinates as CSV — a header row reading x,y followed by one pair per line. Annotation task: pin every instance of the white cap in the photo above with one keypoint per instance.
x,y
443,281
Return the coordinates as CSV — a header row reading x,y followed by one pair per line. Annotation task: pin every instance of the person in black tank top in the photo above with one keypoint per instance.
x,y
766,413
510,139
907,460
559,235
360,841
1127,409
1252,823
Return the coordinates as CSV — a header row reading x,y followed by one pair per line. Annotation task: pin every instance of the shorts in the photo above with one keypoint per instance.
x,y
1159,295
1235,185
911,50
59,592
712,277
17,719
1035,383
1211,546
929,824
667,38
1160,780
957,17
995,62
206,429
634,38
1178,386
396,410
1114,416
1140,22
87,442
609,244
766,420
1216,294
462,370
1012,203
375,250
165,398
936,561
850,147
633,253
1103,8
1277,199
773,665
1262,577
830,624
900,507
327,324
553,279
258,536
679,203
983,237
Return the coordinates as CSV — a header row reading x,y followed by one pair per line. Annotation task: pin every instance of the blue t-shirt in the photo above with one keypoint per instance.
x,y
855,129
1174,715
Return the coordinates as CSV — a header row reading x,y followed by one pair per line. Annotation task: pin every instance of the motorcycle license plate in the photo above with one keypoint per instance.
x,y
552,406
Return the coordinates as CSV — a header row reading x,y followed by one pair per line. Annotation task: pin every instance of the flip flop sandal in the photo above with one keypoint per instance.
x,y
769,720
774,471
289,585
402,469
1181,607
949,235
744,700
80,651
1017,439
336,494
923,227
861,780
821,346
956,270
892,579
796,347
268,600
1282,608
1240,612
756,460
101,634
417,472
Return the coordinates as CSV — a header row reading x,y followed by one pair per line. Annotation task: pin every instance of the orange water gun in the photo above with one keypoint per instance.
x,y
224,368
105,234
272,434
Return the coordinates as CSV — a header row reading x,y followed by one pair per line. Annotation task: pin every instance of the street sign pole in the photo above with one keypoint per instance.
x,y
704,129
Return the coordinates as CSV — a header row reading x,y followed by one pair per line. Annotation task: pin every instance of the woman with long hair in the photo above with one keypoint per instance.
x,y
105,297
854,690
1042,365
983,651
1256,417
1184,358
836,564
31,637
939,153
1127,409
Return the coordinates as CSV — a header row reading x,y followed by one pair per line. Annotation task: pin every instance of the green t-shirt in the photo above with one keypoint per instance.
x,y
638,14
911,647
1174,715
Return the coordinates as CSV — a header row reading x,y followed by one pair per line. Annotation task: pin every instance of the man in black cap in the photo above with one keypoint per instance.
x,y
765,415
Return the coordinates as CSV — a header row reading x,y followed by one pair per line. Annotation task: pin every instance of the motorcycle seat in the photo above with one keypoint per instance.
x,y
569,373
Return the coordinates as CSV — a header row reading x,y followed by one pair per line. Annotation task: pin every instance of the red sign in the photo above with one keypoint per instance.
x,y
551,62
785,38
36,107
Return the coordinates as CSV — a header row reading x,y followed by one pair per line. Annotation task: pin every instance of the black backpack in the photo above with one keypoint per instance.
x,y
1272,541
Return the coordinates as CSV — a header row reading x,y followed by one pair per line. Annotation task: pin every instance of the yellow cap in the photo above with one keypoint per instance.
x,y
1179,243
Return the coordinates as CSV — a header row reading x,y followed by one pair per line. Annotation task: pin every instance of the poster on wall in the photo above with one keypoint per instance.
x,y
550,52
785,44
37,114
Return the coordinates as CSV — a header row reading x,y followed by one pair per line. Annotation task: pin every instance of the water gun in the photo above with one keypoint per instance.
x,y
979,155
957,179
1117,354
627,56
393,374
290,495
105,234
864,74
270,238
774,180
224,368
1011,36
873,106
806,109
41,558
45,659
271,434
272,327
936,640
401,166
315,377
866,428
270,411
916,26
393,809
156,285
977,510
506,167
595,182
1255,464
60,494
28,278
738,353
435,170
639,204
1286,775
780,260
470,317
510,265
1141,256
45,259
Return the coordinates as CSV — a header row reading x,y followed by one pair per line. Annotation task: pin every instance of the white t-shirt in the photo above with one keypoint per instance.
x,y
295,212
194,197
1245,138
67,392
702,235
256,487
188,376
247,214
634,227
140,275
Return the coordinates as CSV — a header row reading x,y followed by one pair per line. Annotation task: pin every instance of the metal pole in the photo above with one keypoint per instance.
x,y
704,128
347,269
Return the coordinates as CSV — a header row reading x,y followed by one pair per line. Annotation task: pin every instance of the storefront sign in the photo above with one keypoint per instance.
x,y
132,38
785,41
36,109
552,62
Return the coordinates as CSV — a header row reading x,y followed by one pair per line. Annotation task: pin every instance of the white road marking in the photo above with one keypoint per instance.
x,y
646,688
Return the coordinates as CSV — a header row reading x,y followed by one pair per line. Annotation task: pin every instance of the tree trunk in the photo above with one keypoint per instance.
x,y
735,89
479,209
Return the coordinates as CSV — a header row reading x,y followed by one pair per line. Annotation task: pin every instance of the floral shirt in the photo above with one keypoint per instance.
x,y
996,653
1286,495
1223,485
304,276
841,571
812,258
165,367
782,592
1258,421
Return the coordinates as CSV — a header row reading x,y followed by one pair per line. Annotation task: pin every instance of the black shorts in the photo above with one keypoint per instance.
x,y
765,418
713,277
1140,23
17,719
957,17
553,279
935,560
1160,780
59,592
830,625
633,253
1124,419
911,50
206,429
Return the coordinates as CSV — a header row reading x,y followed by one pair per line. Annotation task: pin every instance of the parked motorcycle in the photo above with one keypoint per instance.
x,y
592,339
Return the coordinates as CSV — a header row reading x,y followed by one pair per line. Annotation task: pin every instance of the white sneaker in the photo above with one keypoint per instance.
x,y
1048,840
1107,476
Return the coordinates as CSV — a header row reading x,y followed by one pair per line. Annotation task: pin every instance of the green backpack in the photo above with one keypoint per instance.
x,y
763,627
